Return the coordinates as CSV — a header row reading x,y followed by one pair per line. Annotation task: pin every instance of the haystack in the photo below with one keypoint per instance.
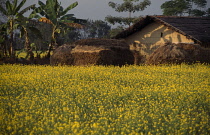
x,y
178,53
62,55
95,52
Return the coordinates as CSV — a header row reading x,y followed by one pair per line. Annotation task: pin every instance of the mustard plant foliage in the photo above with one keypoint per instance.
x,y
105,100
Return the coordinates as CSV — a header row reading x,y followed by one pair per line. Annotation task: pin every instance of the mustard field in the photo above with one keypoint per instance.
x,y
98,100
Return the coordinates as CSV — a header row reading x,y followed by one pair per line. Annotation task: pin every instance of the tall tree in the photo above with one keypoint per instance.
x,y
130,6
14,16
95,29
53,13
92,29
175,7
197,7
184,7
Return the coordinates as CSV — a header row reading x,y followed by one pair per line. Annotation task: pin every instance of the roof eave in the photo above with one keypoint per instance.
x,y
134,28
176,29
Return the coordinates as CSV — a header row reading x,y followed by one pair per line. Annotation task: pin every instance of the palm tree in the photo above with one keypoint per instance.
x,y
53,13
14,16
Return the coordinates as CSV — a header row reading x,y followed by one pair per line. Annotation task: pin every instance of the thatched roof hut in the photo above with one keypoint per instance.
x,y
178,53
195,28
94,52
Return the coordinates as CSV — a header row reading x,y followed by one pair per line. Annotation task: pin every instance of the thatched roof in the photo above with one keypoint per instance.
x,y
102,42
195,28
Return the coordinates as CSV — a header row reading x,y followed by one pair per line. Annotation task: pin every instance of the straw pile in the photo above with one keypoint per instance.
x,y
62,55
102,42
93,52
178,53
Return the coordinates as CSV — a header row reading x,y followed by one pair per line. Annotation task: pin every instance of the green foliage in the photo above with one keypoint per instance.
x,y
15,19
13,10
183,7
197,12
23,54
91,29
199,3
2,33
54,12
57,16
113,32
121,20
95,29
174,7
3,39
129,6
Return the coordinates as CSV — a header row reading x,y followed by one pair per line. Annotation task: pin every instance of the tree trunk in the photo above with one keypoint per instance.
x,y
49,50
11,46
53,42
5,44
28,47
5,50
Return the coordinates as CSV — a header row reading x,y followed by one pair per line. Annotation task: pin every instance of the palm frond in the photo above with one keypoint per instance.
x,y
14,6
41,3
60,11
51,8
38,10
3,10
9,8
27,8
69,8
67,17
34,15
20,18
20,5
16,26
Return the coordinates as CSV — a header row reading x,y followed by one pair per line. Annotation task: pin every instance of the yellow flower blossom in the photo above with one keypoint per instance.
x,y
166,99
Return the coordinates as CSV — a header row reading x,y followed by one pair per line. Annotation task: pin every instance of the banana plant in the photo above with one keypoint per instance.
x,y
24,28
53,13
3,39
14,15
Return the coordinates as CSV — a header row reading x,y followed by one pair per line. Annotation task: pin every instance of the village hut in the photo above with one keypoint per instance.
x,y
151,32
94,52
179,53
